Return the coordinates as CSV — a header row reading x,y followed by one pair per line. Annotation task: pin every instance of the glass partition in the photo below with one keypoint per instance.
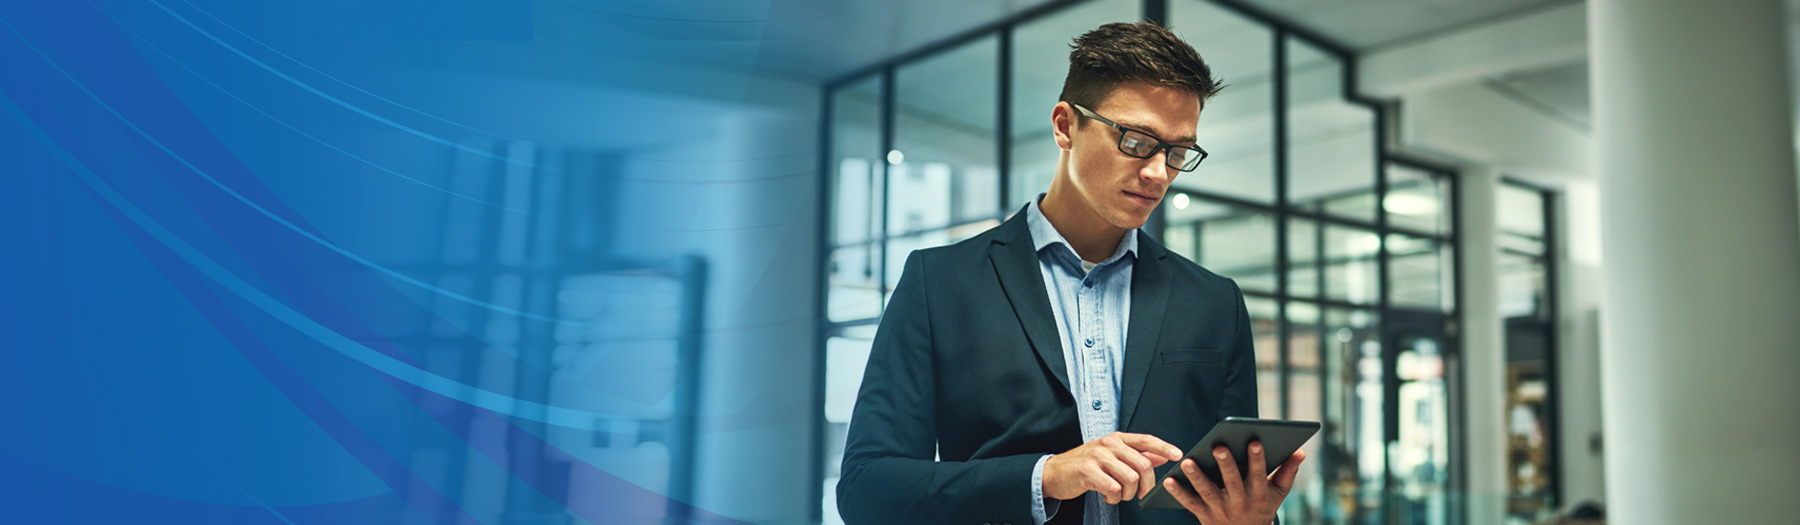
x,y
1237,126
1527,268
1331,141
1039,61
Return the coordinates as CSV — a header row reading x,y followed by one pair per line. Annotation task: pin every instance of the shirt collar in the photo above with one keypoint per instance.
x,y
1044,234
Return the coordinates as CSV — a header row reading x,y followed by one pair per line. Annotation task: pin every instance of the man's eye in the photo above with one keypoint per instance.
x,y
1132,143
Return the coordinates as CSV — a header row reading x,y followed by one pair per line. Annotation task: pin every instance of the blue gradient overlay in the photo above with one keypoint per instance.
x,y
339,261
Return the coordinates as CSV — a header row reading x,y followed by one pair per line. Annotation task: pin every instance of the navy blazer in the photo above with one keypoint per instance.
x,y
967,366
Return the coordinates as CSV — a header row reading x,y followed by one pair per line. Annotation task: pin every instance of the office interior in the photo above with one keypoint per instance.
x,y
1465,245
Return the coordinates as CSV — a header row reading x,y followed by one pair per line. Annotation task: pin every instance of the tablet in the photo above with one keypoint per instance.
x,y
1280,438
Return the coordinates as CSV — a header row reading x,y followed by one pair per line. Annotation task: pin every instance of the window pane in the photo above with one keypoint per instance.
x,y
1268,356
942,168
1422,269
846,355
1521,210
1305,403
1521,286
854,292
1331,142
1179,238
1237,126
1351,265
1421,461
1530,341
856,153
964,231
1417,201
1231,241
1353,413
1521,219
1304,266
1040,61
844,362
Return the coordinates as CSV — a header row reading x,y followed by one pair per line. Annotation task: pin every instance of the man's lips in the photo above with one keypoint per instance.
x,y
1142,198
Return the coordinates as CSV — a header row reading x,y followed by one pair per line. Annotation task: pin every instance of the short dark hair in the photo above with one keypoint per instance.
x,y
1116,53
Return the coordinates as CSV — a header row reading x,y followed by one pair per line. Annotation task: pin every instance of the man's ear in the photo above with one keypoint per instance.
x,y
1062,123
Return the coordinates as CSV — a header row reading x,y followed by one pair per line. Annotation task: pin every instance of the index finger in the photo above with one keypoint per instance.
x,y
1149,443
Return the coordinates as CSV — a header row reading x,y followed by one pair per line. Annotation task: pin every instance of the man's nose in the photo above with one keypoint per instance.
x,y
1156,168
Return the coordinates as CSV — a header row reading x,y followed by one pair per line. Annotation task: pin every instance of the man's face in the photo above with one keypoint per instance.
x,y
1121,189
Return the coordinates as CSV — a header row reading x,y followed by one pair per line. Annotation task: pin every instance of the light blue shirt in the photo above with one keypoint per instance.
x,y
1092,308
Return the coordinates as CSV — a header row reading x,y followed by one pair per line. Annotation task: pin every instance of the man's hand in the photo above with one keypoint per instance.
x,y
1118,466
1251,501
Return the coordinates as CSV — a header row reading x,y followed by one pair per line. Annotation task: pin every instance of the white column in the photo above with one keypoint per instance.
x,y
1700,350
1580,470
1483,347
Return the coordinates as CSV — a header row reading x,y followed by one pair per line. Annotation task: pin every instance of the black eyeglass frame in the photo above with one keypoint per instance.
x,y
1160,145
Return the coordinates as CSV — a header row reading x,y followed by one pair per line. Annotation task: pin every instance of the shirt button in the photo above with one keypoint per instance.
x,y
1096,404
1089,342
1088,283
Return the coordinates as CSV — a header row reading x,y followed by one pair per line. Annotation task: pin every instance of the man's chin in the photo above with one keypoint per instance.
x,y
1129,221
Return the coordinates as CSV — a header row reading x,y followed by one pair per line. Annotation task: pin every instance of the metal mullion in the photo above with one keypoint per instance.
x,y
887,145
1458,440
1249,205
1157,12
1534,256
833,327
1199,235
1552,364
1237,202
821,308
1320,262
1420,234
1390,354
1278,44
1330,303
913,233
1003,117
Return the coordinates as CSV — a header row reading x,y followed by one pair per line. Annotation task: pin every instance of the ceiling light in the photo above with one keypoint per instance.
x,y
1409,204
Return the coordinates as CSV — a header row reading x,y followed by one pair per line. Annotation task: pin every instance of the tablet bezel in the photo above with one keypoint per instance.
x,y
1280,439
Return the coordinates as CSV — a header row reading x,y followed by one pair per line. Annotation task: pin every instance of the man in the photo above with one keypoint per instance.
x,y
1006,365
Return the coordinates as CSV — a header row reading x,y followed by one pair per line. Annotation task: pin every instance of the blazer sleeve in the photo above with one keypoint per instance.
x,y
1240,377
889,473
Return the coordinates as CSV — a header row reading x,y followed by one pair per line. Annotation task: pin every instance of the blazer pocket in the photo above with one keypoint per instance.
x,y
1192,355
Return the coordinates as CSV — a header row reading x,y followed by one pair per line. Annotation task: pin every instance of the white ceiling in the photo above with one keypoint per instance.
x,y
827,38
1364,25
816,40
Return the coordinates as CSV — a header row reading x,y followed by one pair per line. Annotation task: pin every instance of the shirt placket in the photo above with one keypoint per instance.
x,y
1098,372
1093,351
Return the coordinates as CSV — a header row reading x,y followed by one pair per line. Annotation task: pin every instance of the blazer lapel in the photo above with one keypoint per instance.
x,y
1149,297
1015,260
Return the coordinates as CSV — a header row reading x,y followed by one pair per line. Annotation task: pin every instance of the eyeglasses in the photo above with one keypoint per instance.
x,y
1143,145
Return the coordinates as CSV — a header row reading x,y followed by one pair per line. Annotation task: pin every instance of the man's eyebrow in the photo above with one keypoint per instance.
x,y
1185,139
